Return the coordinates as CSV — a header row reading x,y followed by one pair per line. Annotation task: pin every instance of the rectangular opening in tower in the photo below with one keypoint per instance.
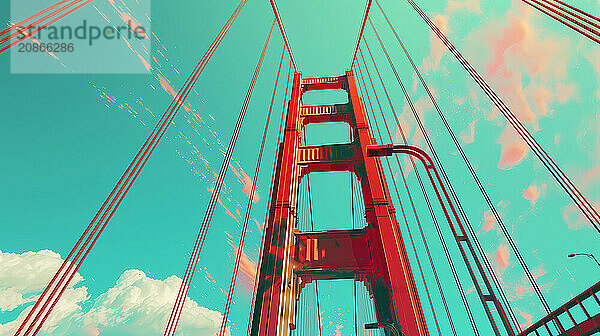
x,y
338,306
330,201
325,97
329,133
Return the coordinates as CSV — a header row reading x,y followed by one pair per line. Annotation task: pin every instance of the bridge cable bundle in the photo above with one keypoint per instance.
x,y
569,16
307,304
25,26
361,31
400,129
476,179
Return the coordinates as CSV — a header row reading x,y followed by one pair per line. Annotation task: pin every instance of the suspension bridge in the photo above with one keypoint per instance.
x,y
295,256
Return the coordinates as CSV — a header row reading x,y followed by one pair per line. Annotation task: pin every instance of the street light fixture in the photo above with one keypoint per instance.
x,y
589,255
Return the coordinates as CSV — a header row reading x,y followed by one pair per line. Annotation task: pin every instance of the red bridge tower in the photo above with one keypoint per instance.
x,y
375,254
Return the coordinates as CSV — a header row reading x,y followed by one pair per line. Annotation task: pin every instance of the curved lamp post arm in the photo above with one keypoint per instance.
x,y
451,215
589,255
385,325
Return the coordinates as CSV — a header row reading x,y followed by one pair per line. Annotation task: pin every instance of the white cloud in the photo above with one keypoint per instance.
x,y
22,279
136,305
141,306
23,276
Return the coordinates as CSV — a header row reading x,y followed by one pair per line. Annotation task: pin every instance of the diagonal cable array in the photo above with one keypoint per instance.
x,y
283,34
47,301
580,21
276,152
491,205
37,22
563,180
413,207
433,217
240,248
195,255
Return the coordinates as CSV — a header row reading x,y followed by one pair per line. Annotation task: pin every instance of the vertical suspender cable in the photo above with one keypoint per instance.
x,y
193,262
312,228
446,251
352,211
240,247
406,185
482,190
254,287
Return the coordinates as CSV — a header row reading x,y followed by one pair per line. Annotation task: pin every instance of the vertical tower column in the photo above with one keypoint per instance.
x,y
375,254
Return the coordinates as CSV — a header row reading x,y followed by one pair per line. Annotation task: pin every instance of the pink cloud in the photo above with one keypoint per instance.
x,y
528,319
488,220
437,49
501,257
247,271
513,151
129,20
533,193
564,92
592,176
520,290
526,67
338,329
468,136
259,226
246,182
574,218
471,6
166,85
594,58
459,100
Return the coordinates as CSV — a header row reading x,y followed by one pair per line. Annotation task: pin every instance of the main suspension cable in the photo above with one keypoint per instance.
x,y
44,25
439,164
26,21
563,15
404,213
361,31
283,34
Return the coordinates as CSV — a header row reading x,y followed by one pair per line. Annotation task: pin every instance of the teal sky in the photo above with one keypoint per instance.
x,y
67,137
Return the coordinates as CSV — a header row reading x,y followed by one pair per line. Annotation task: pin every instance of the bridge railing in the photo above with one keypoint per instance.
x,y
588,302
